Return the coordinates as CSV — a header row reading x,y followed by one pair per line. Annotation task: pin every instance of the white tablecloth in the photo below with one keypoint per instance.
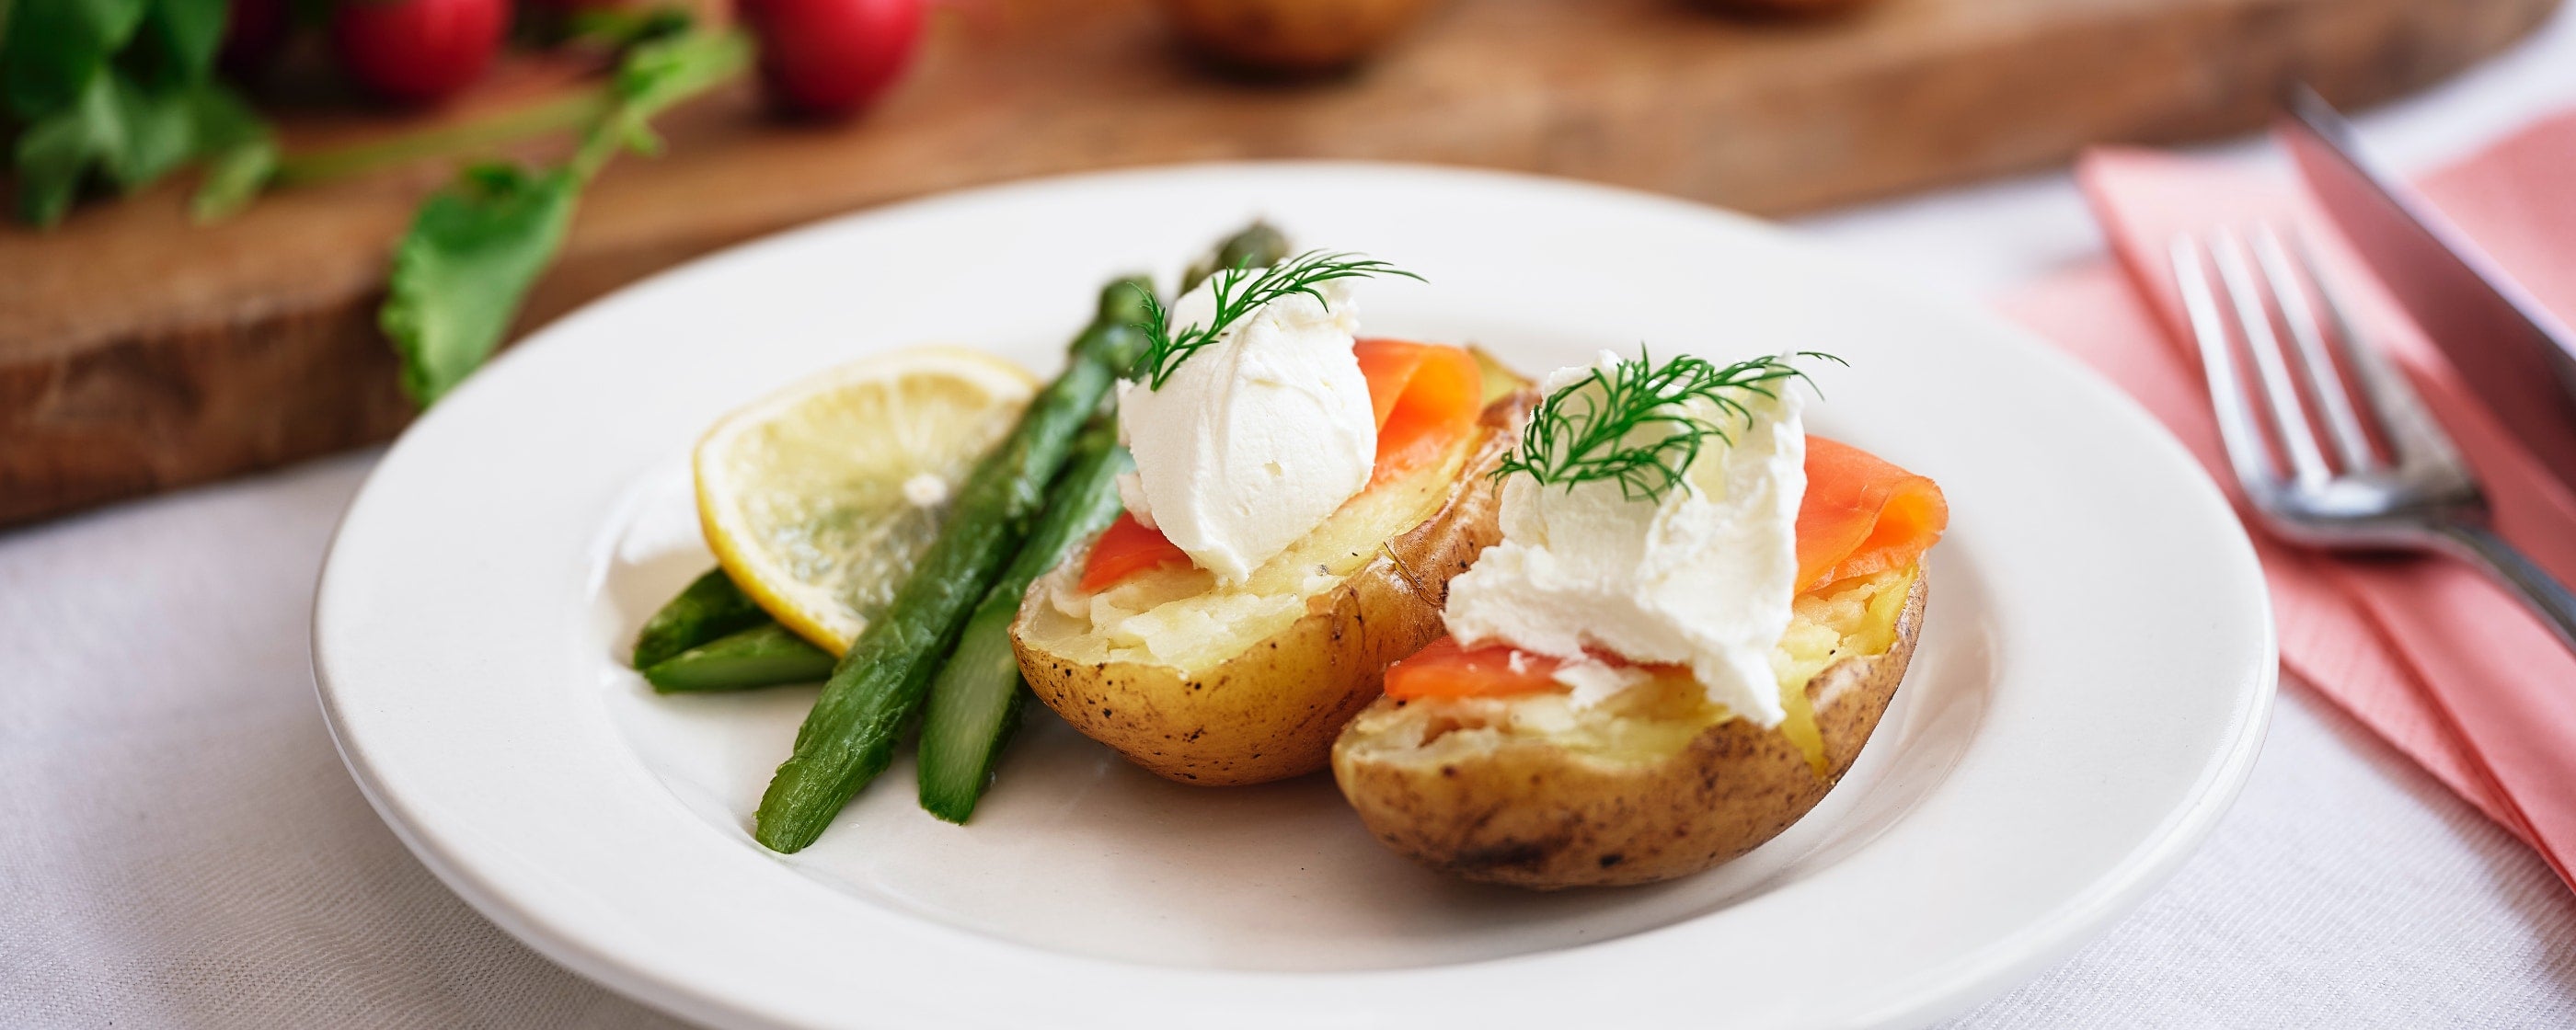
x,y
180,846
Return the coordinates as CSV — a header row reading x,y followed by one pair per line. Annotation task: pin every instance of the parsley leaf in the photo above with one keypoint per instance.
x,y
478,245
467,262
56,150
56,49
160,132
175,44
122,89
240,155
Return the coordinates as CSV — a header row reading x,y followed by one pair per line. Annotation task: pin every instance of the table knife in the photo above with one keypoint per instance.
x,y
2514,354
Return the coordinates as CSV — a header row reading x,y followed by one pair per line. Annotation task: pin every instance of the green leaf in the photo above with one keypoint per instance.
x,y
618,28
652,77
124,87
659,73
240,153
136,135
56,152
476,246
461,271
160,132
234,177
56,48
223,120
175,44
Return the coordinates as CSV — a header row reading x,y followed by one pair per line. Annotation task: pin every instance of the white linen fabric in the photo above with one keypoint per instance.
x,y
181,847
179,843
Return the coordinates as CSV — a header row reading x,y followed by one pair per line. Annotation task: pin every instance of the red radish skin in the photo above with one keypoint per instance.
x,y
418,51
833,58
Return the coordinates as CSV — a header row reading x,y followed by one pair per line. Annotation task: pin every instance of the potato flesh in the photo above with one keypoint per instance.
x,y
1655,720
1179,617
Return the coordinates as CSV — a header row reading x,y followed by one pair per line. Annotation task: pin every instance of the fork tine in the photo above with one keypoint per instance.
x,y
2235,412
2412,435
2280,392
2315,364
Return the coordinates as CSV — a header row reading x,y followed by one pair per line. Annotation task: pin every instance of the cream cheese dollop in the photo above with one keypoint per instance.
x,y
1702,577
1255,439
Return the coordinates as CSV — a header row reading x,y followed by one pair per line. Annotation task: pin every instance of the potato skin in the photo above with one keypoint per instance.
x,y
1530,814
1274,710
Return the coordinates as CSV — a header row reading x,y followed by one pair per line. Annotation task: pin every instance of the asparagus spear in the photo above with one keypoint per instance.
x,y
710,607
1258,245
850,735
976,700
765,655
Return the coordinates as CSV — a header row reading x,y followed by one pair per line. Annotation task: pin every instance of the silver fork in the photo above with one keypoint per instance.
x,y
2408,492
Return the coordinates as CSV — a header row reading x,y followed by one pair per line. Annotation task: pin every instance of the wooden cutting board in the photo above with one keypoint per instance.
x,y
138,352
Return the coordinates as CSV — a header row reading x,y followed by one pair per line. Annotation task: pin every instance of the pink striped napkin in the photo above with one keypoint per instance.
x,y
2449,668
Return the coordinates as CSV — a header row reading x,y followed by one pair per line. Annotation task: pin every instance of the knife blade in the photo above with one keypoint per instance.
x,y
2518,357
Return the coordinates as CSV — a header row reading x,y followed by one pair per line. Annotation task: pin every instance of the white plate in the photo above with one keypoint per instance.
x,y
2090,691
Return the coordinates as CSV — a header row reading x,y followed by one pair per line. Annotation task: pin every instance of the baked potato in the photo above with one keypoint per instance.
x,y
1656,782
1251,683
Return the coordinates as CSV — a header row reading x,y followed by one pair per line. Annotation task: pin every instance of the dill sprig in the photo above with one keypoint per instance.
x,y
1240,292
1577,435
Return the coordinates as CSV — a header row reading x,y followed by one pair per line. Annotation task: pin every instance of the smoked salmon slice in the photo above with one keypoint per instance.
x,y
1862,516
1443,669
1125,549
1425,396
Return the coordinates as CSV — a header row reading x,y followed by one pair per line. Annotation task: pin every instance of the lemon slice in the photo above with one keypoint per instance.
x,y
818,499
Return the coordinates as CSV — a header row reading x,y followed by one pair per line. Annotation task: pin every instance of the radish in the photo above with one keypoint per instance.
x,y
418,51
833,58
